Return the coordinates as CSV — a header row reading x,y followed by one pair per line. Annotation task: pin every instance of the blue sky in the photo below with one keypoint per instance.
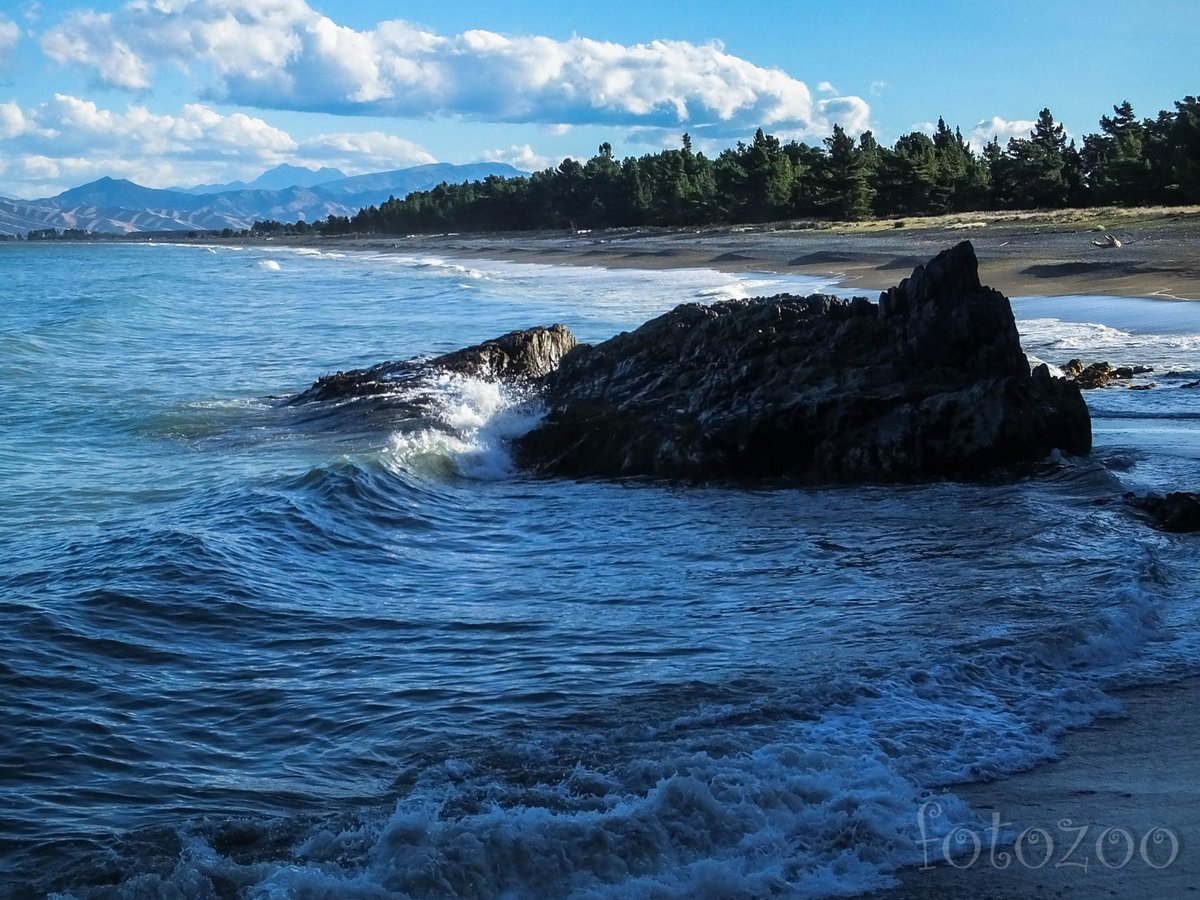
x,y
177,92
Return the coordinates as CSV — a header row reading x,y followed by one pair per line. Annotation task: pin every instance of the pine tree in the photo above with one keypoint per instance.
x,y
849,192
1040,175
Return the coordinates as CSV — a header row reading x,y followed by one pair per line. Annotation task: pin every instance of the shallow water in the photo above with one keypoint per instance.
x,y
254,651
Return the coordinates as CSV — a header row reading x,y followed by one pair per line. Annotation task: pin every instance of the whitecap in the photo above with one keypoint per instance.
x,y
474,422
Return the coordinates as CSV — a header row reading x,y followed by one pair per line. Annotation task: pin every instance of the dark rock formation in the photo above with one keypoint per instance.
x,y
521,356
930,382
1101,374
1177,511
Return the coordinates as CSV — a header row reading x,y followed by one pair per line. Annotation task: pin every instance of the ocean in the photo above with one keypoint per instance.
x,y
264,651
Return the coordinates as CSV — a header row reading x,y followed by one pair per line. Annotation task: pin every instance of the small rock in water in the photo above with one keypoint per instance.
x,y
1101,374
1177,511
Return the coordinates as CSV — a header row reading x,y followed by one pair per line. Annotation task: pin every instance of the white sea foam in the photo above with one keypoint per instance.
x,y
474,422
721,801
269,264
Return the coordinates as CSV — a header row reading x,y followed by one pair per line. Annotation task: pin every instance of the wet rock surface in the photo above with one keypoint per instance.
x,y
1176,511
929,382
1102,374
519,356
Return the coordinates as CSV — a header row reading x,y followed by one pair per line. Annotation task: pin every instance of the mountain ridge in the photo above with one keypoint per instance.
x,y
120,206
280,178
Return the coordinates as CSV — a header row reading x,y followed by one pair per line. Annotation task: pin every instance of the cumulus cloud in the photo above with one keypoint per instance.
x,y
68,125
115,62
12,121
852,113
283,54
10,34
1001,129
68,140
363,151
521,157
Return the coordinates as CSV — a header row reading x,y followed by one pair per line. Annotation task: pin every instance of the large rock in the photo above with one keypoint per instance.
x,y
930,382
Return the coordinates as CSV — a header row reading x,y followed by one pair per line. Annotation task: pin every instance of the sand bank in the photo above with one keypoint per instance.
x,y
1022,254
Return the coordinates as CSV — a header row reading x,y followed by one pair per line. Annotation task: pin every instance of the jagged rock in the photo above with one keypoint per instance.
x,y
930,382
1177,511
1100,374
517,356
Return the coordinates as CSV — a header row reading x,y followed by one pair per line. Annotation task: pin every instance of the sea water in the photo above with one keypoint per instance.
x,y
256,650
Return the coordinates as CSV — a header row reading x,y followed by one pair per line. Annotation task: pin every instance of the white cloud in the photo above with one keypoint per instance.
x,y
12,121
1002,129
69,124
10,34
92,41
283,54
878,87
826,88
522,157
363,151
69,140
852,113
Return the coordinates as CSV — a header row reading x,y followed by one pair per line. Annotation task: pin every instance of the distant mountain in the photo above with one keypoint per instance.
x,y
120,206
402,182
277,179
113,192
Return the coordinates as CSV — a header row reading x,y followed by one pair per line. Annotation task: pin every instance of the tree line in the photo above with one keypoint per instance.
x,y
1127,162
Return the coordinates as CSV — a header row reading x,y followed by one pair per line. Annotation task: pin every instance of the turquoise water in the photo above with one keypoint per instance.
x,y
251,650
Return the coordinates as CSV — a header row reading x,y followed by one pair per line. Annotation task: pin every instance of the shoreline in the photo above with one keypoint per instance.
x,y
1021,255
1136,776
1138,773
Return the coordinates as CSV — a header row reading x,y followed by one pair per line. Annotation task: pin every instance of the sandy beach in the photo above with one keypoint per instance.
x,y
1021,254
1121,805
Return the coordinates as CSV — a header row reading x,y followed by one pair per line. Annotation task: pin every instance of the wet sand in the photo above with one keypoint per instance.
x,y
1126,781
1021,254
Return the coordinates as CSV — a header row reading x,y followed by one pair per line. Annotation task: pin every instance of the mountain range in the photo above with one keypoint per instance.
x,y
285,194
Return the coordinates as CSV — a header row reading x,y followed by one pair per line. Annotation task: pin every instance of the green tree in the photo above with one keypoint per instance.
x,y
1114,162
848,189
907,176
1041,177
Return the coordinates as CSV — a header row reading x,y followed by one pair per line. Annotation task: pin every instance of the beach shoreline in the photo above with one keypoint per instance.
x,y
1021,254
1134,775
1121,807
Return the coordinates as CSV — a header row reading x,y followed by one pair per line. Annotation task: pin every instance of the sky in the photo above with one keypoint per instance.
x,y
183,92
